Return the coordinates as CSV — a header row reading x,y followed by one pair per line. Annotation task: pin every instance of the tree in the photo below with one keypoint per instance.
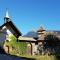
x,y
51,43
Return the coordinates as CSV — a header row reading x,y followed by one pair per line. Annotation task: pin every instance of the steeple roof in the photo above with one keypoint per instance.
x,y
7,14
41,29
6,18
10,25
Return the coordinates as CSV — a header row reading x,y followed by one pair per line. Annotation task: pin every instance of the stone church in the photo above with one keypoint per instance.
x,y
35,44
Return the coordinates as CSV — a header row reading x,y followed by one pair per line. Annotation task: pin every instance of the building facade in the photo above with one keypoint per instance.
x,y
40,44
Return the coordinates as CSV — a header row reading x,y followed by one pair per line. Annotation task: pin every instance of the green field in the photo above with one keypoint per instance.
x,y
42,57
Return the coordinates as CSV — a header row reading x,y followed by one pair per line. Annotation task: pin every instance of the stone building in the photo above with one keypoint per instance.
x,y
35,44
7,29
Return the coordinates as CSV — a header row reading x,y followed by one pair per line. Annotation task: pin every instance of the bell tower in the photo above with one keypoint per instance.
x,y
6,18
41,32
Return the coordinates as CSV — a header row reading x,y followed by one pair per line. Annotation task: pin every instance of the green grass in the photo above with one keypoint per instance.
x,y
18,47
41,57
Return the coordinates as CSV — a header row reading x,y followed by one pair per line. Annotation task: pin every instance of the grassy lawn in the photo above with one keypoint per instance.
x,y
42,57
